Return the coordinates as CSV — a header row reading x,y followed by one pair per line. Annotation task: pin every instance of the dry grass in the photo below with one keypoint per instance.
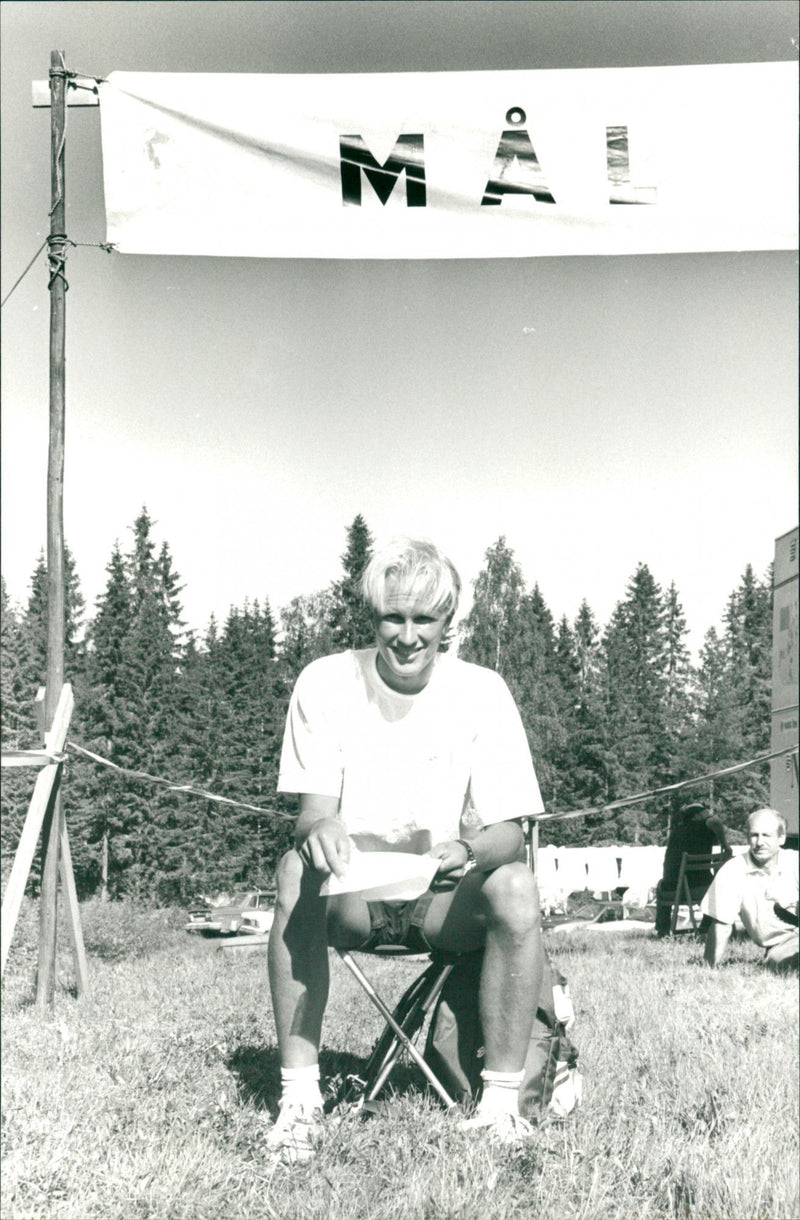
x,y
150,1098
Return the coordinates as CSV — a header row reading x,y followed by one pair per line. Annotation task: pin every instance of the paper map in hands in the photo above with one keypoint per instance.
x,y
383,876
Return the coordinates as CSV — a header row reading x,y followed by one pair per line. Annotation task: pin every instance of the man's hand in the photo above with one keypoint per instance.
x,y
326,847
453,857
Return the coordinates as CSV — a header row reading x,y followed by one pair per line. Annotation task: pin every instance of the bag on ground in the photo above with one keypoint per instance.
x,y
551,1086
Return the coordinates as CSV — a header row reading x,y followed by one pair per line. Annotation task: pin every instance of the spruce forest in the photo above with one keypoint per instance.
x,y
610,710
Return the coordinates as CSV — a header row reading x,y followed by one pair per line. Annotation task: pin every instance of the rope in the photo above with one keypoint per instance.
x,y
188,789
98,80
57,259
58,242
25,272
654,792
62,71
191,790
108,246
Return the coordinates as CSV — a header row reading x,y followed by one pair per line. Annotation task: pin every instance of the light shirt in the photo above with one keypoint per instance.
x,y
744,890
447,761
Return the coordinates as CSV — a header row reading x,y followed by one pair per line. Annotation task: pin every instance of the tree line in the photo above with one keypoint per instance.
x,y
609,710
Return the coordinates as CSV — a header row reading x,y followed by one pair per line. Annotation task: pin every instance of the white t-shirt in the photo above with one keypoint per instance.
x,y
743,890
448,760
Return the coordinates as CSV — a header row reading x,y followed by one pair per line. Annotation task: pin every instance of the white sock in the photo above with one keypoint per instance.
x,y
500,1092
300,1086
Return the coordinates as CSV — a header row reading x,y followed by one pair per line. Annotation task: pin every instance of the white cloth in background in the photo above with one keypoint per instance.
x,y
546,870
572,869
641,867
602,869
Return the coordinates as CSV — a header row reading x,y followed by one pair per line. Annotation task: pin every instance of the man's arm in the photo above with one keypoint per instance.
x,y
717,939
319,836
500,843
718,830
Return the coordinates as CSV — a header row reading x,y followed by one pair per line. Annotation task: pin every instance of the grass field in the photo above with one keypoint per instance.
x,y
150,1097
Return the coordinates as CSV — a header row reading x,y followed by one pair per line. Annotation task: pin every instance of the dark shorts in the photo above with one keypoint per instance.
x,y
398,925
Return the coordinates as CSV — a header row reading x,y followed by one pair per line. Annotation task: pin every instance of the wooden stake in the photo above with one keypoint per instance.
x,y
43,795
45,979
73,914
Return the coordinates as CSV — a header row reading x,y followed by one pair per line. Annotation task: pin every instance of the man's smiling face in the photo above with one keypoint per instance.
x,y
408,635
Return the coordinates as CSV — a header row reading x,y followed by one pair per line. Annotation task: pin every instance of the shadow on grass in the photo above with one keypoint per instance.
x,y
257,1070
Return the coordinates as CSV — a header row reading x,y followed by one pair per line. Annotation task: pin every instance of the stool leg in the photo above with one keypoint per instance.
x,y
410,1012
399,1031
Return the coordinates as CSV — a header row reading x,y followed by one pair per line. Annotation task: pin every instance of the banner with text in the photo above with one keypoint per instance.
x,y
452,164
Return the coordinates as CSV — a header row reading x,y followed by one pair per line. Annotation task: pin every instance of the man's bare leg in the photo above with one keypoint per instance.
x,y
298,956
513,963
298,963
501,911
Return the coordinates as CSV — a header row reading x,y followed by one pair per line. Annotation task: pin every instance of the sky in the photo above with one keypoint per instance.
x,y
598,412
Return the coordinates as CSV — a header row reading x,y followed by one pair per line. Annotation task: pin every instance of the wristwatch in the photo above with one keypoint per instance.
x,y
471,861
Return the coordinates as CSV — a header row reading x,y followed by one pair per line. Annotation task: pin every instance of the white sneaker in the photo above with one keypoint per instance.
x,y
296,1133
501,1128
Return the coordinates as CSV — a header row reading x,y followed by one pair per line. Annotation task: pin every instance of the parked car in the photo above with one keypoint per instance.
x,y
257,923
226,919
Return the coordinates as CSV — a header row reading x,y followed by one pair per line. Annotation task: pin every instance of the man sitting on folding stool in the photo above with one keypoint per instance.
x,y
404,747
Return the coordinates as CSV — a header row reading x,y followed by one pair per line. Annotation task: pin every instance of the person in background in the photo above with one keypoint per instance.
x,y
698,833
403,746
759,888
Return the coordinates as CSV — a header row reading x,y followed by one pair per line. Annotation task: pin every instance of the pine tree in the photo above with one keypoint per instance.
x,y
99,792
531,673
132,704
635,647
582,765
748,641
150,702
239,705
350,620
678,718
715,743
34,626
566,671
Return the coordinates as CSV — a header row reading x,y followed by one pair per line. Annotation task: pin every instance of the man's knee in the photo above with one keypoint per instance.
x,y
511,898
783,957
288,879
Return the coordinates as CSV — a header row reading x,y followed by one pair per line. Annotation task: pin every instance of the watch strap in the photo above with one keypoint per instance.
x,y
471,860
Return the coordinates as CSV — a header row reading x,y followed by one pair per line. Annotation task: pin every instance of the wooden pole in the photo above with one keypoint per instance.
x,y
57,243
55,465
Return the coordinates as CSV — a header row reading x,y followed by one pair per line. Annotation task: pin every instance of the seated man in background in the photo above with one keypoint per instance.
x,y
404,747
760,888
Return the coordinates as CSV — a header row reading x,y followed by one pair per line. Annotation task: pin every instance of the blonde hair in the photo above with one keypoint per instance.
x,y
420,567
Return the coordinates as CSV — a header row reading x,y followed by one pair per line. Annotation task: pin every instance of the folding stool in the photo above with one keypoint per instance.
x,y
404,1023
409,1015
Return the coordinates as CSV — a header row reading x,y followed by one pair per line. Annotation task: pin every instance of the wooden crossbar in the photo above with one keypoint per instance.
x,y
29,758
43,801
